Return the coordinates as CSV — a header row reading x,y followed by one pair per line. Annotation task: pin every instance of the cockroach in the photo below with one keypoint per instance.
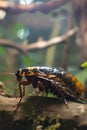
x,y
50,80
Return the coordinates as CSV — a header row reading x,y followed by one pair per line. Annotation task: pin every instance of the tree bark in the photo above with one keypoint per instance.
x,y
38,113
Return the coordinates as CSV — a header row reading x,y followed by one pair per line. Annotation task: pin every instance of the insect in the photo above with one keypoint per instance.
x,y
50,80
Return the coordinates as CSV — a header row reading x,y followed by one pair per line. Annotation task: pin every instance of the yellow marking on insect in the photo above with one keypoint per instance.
x,y
21,72
30,74
32,68
79,86
54,77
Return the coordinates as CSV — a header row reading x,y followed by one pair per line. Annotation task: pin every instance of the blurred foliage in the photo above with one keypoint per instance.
x,y
82,76
2,50
15,30
2,59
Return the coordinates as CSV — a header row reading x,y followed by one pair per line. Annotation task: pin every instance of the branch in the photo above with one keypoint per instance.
x,y
53,41
12,44
45,7
41,112
25,47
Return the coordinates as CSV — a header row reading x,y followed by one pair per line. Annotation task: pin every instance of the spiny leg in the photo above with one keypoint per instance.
x,y
53,85
21,95
64,99
22,92
60,91
42,88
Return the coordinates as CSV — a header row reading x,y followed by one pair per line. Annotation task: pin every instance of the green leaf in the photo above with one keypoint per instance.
x,y
84,65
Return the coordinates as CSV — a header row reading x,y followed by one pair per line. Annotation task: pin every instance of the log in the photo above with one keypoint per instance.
x,y
41,113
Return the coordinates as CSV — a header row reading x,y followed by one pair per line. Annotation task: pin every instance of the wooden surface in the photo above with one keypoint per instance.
x,y
36,112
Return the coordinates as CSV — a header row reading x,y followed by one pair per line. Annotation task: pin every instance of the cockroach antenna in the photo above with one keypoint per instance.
x,y
7,73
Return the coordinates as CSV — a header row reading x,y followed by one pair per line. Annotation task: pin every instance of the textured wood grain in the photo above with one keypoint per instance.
x,y
35,108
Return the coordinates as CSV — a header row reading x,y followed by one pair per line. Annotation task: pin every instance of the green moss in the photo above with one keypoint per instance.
x,y
46,123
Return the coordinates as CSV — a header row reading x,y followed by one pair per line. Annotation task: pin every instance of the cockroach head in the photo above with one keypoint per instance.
x,y
18,75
